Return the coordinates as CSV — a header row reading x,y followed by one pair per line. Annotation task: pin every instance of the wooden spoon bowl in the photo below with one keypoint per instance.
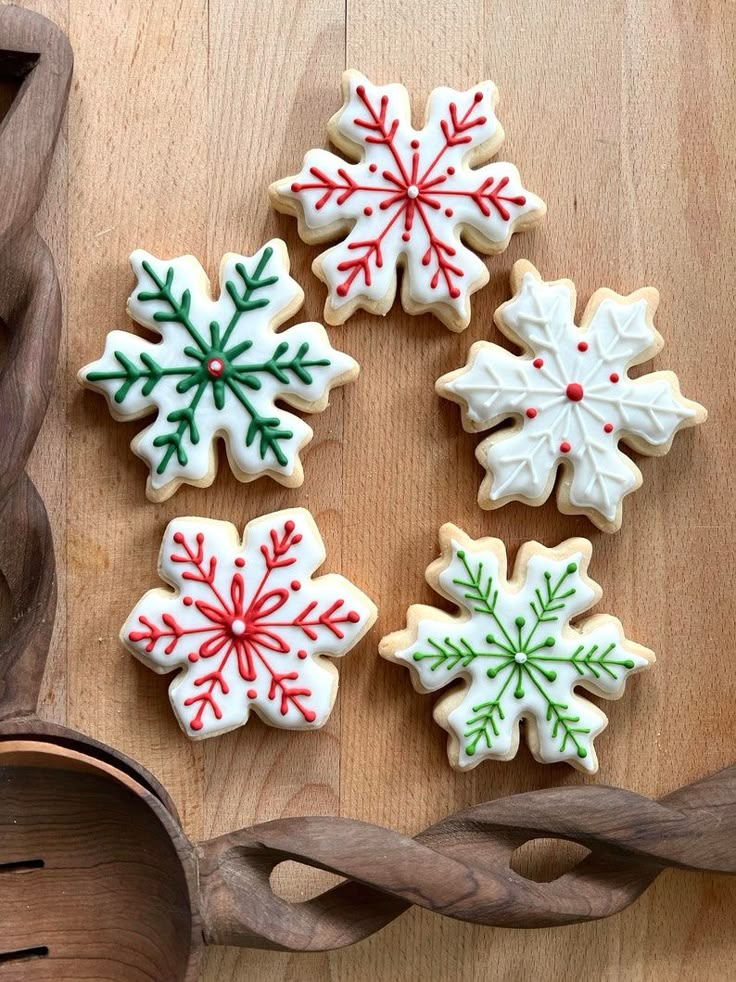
x,y
96,879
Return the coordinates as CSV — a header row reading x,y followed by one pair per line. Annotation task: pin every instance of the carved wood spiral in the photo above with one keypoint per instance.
x,y
36,55
460,867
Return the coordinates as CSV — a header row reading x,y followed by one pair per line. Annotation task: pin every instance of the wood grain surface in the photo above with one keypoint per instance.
x,y
619,113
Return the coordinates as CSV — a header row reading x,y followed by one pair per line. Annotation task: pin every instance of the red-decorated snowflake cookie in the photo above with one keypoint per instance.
x,y
411,200
247,626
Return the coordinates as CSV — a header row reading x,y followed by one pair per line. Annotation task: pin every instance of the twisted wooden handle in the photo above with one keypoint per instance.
x,y
35,52
460,867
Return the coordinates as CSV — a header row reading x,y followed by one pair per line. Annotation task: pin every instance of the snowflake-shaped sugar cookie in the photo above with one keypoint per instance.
x,y
572,397
409,201
517,653
247,626
218,370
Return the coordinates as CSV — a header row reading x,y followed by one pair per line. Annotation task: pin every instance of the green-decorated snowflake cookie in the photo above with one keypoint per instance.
x,y
515,650
218,370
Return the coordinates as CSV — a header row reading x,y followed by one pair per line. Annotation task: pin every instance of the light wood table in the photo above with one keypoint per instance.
x,y
620,114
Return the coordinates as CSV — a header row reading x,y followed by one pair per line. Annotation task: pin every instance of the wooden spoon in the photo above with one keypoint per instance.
x,y
97,879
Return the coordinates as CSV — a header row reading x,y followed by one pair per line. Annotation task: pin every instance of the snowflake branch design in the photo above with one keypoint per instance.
x,y
218,370
243,627
571,397
409,196
517,652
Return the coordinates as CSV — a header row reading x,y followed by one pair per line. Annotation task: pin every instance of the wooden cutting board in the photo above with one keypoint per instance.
x,y
620,115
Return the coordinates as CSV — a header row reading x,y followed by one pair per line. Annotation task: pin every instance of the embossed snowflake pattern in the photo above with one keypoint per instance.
x,y
513,646
408,201
218,370
571,396
247,626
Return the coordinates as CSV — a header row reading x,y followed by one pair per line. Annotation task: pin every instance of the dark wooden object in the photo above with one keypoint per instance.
x,y
97,879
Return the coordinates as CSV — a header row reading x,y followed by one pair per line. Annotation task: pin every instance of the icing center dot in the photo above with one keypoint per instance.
x,y
215,366
238,627
412,191
519,657
574,392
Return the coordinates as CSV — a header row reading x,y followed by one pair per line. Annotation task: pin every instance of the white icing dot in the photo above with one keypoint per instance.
x,y
412,191
237,627
519,657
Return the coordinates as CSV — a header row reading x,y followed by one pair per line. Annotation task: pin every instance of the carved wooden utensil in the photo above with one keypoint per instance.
x,y
97,879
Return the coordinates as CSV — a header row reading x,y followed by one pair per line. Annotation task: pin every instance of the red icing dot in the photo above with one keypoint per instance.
x,y
309,715
538,362
342,290
373,168
353,616
240,562
574,392
608,428
360,90
297,539
301,654
583,346
450,171
449,212
415,144
454,292
178,538
296,186
193,656
531,413
406,236
196,724
481,119
296,585
565,447
252,694
478,96
614,377
187,601
368,211
289,526
200,538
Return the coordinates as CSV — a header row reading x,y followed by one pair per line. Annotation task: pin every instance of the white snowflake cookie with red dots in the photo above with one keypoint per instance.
x,y
571,397
412,200
219,371
247,626
514,648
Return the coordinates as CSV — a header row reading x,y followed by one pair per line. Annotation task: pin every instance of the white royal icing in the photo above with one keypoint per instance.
x,y
247,625
220,373
516,651
408,199
574,397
